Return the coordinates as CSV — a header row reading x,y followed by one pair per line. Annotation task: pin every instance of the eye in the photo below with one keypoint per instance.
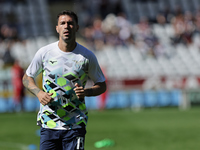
x,y
70,22
62,23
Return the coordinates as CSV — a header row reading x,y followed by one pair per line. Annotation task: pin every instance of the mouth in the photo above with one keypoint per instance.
x,y
66,33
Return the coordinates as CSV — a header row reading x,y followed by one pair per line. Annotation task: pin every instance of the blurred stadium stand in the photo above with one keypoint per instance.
x,y
144,64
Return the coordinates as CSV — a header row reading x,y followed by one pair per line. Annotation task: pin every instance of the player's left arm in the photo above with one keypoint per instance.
x,y
97,89
96,75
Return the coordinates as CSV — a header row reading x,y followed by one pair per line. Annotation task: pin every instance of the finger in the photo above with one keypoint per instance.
x,y
50,94
43,102
76,88
46,100
47,97
76,85
79,91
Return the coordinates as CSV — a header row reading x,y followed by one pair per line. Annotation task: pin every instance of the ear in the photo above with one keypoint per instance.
x,y
57,29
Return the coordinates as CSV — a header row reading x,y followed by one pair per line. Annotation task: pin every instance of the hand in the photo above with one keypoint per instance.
x,y
79,90
44,98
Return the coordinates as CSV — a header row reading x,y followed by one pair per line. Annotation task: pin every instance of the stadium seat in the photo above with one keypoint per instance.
x,y
169,30
159,30
135,55
155,67
41,41
133,72
167,67
31,47
52,39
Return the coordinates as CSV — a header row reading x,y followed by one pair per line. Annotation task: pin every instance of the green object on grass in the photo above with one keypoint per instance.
x,y
104,143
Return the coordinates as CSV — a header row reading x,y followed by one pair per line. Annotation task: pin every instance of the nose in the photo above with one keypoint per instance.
x,y
66,25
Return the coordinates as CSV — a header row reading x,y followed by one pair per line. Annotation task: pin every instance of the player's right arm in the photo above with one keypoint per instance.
x,y
30,84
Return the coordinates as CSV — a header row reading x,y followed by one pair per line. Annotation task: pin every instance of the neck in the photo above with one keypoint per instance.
x,y
67,47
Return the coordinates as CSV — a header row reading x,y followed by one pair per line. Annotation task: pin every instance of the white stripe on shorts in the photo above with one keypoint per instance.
x,y
80,143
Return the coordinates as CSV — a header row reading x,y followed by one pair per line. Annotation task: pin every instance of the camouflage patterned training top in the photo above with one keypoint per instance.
x,y
61,70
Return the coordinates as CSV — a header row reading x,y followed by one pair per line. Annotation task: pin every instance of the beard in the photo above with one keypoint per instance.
x,y
68,38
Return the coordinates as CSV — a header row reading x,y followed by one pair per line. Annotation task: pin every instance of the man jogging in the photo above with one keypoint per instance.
x,y
65,65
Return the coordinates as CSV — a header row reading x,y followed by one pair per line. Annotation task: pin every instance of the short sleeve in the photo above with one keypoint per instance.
x,y
35,67
94,70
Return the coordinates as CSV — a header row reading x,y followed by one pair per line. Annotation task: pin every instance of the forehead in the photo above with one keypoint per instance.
x,y
65,18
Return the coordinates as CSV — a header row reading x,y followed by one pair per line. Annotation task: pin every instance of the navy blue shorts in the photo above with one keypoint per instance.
x,y
62,139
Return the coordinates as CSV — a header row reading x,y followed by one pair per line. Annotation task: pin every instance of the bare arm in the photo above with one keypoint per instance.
x,y
95,90
30,84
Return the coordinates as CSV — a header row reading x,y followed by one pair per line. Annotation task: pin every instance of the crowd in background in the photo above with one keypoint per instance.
x,y
108,25
115,29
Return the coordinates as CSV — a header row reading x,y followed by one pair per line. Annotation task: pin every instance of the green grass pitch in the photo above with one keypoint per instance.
x,y
149,129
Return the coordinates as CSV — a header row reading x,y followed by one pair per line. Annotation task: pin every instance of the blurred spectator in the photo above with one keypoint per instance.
x,y
8,33
143,28
125,29
184,28
179,28
18,88
166,13
113,30
97,34
8,59
144,37
110,30
189,28
160,18
160,51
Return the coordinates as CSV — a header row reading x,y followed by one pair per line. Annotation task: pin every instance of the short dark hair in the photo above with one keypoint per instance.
x,y
69,13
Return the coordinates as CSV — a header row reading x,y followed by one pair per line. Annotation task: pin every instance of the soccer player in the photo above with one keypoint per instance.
x,y
66,65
